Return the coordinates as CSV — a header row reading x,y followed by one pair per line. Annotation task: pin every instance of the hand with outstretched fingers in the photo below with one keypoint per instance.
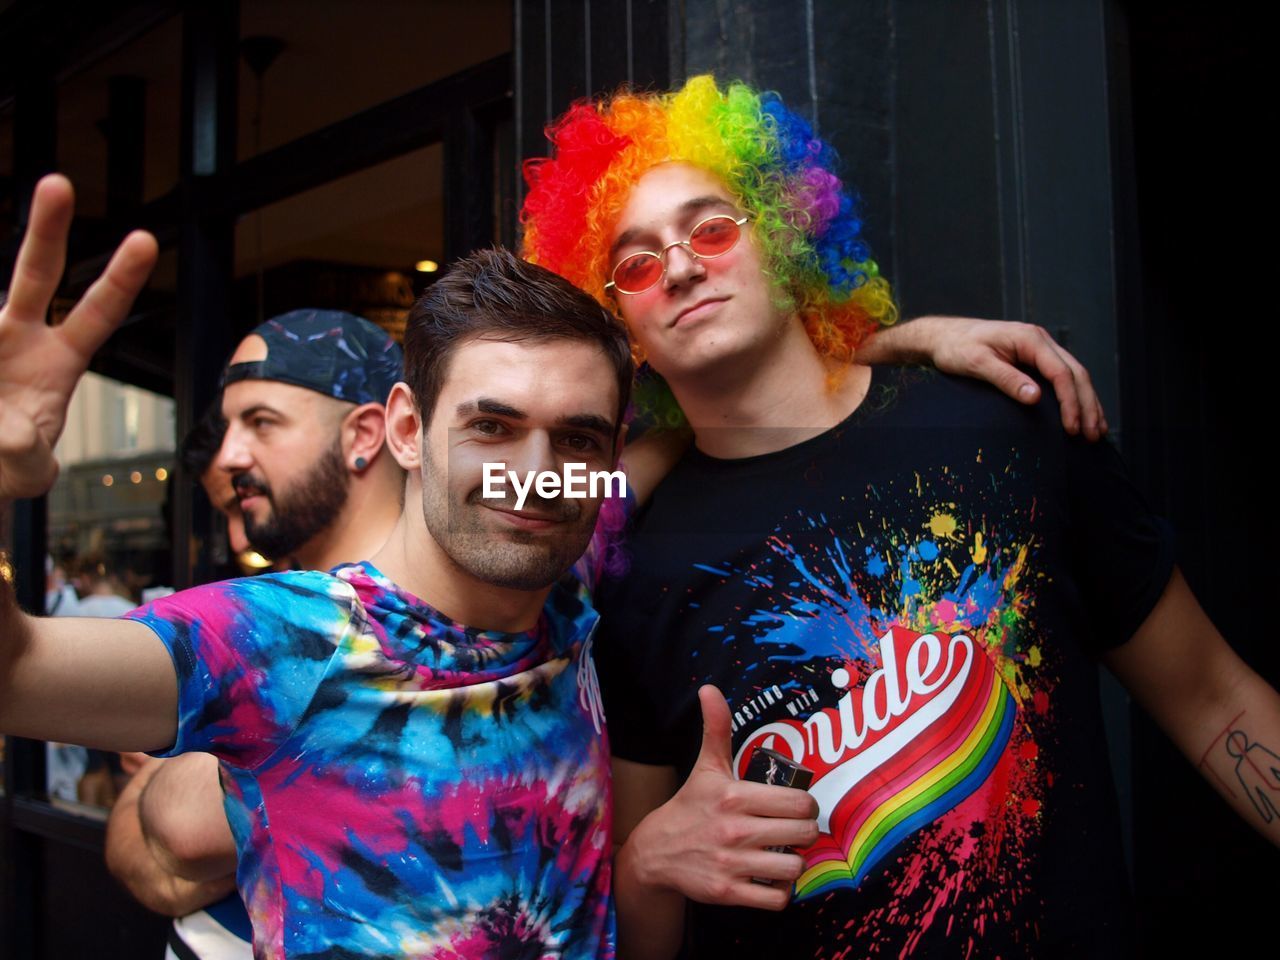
x,y
40,364
714,836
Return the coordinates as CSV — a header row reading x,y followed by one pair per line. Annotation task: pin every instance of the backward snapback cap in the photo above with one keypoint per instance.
x,y
332,352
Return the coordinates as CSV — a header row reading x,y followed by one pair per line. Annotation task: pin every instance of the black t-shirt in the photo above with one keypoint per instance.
x,y
911,605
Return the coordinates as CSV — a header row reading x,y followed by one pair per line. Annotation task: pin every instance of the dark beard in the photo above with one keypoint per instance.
x,y
299,516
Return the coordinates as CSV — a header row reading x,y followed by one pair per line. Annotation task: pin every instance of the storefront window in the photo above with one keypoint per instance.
x,y
109,541
143,78
361,243
307,63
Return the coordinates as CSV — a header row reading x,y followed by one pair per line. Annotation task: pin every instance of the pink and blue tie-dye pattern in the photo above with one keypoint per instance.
x,y
399,784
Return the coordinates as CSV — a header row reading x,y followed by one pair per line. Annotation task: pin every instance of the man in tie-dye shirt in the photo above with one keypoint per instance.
x,y
418,749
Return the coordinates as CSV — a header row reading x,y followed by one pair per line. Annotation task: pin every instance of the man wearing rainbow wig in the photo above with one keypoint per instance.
x,y
900,581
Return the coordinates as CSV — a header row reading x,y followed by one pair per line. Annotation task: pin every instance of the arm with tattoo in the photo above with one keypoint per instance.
x,y
1256,768
1222,716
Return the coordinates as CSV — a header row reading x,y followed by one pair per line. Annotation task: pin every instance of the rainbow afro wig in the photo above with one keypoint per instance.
x,y
806,223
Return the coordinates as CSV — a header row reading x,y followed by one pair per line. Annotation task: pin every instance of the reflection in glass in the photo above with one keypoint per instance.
x,y
109,541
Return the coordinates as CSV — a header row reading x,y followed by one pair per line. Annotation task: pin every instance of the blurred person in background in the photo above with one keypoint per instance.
x,y
102,590
60,598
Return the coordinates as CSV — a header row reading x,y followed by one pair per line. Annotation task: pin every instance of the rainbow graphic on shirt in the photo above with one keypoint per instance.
x,y
920,733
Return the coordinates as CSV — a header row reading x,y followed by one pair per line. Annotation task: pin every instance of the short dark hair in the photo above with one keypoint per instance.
x,y
201,444
496,295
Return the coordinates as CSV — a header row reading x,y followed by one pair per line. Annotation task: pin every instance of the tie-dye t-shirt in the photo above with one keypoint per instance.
x,y
911,605
399,785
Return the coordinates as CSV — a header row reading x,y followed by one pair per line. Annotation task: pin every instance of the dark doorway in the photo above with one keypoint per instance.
x,y
1196,345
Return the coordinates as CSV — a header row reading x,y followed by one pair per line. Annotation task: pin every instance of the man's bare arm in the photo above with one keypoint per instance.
x,y
132,862
993,350
103,683
1222,716
184,821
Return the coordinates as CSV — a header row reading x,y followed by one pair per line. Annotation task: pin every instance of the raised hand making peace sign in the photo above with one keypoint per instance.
x,y
40,364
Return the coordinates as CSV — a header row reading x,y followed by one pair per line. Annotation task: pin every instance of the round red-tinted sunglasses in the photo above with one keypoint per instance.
x,y
709,238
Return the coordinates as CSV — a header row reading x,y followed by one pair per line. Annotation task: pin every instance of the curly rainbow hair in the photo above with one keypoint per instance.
x,y
777,170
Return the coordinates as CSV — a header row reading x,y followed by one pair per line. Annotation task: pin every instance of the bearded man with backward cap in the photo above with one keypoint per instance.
x,y
303,397
900,580
303,448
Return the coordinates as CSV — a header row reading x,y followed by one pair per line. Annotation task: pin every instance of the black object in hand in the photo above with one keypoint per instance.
x,y
771,767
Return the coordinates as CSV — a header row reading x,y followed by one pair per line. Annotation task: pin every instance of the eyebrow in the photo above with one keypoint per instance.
x,y
489,405
693,205
248,412
582,421
588,421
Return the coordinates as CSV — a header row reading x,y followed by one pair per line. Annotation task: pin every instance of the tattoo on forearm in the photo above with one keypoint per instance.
x,y
1257,768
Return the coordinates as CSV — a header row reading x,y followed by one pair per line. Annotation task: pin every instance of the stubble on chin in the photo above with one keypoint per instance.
x,y
498,554
505,557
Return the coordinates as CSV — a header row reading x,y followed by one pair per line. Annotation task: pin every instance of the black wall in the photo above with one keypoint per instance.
x,y
1197,346
977,133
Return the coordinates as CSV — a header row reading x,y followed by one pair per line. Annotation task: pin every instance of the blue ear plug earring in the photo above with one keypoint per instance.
x,y
361,463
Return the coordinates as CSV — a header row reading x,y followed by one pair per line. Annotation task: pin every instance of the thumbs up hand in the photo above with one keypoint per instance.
x,y
717,732
711,838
